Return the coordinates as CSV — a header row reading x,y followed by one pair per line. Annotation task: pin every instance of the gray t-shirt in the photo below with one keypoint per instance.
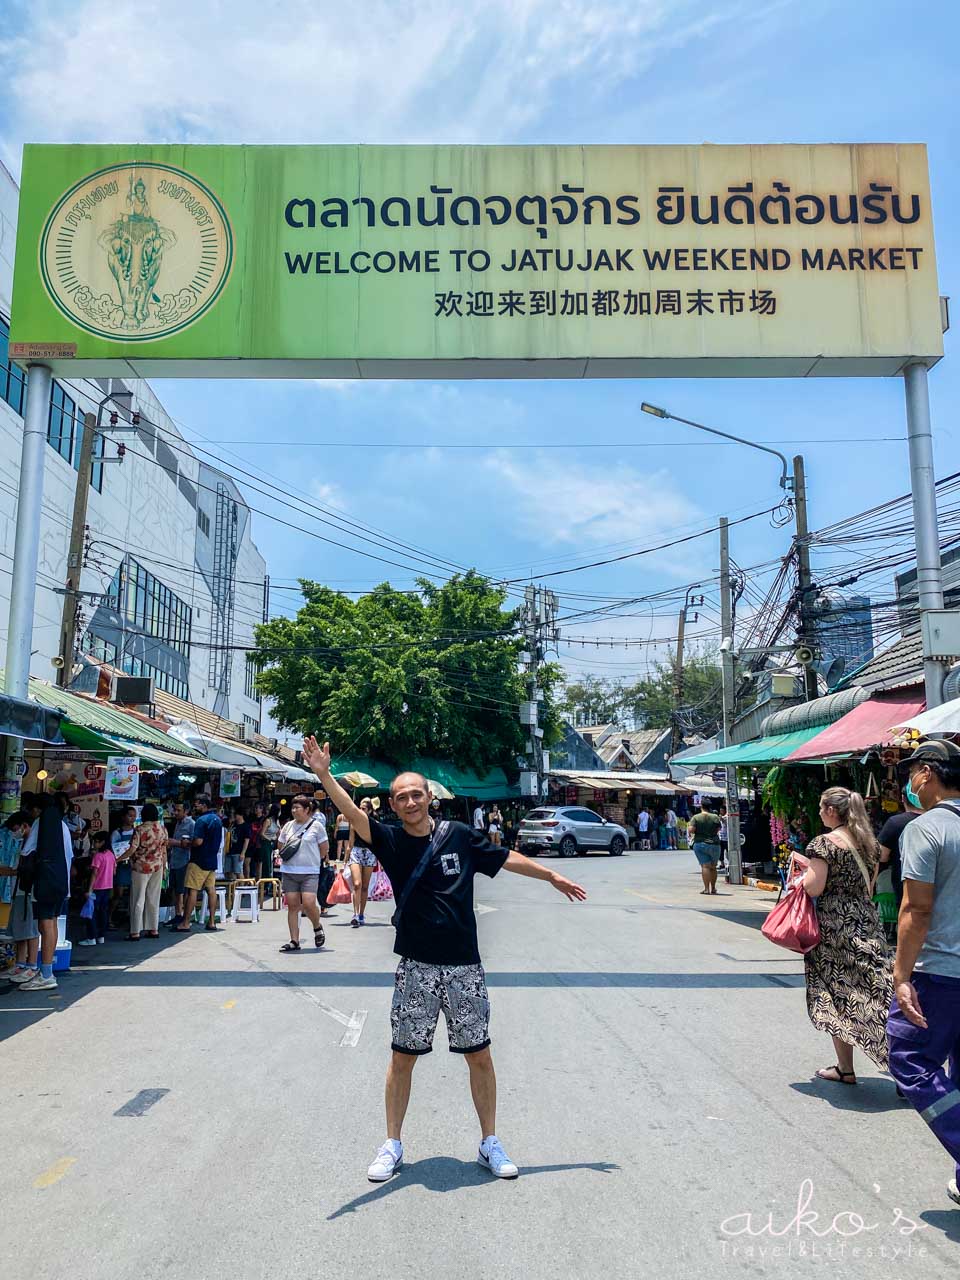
x,y
176,856
930,853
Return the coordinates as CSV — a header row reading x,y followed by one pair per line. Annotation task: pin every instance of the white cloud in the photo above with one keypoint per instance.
x,y
327,495
311,70
578,503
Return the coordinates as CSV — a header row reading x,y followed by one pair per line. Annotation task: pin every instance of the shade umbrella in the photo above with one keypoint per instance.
x,y
357,778
439,791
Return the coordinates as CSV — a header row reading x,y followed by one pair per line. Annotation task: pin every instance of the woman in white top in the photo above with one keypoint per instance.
x,y
303,850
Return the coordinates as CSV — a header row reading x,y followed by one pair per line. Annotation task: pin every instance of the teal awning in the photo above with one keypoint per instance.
x,y
770,750
491,785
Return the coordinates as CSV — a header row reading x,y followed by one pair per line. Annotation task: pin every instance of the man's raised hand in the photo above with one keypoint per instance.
x,y
317,757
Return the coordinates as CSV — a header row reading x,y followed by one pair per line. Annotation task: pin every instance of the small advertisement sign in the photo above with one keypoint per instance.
x,y
230,784
122,780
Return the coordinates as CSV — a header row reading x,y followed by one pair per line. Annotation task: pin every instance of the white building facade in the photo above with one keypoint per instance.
x,y
172,583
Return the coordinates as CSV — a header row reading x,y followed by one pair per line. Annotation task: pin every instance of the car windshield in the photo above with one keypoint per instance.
x,y
537,815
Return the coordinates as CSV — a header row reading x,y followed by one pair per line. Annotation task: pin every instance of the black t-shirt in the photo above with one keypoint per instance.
x,y
438,925
889,837
241,832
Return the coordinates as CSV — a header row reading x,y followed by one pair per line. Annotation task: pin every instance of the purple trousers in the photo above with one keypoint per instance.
x,y
918,1054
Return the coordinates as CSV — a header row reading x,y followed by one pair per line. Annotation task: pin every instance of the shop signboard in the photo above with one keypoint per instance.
x,y
122,778
476,261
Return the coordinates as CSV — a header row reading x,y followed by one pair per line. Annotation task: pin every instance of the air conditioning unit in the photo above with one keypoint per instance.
x,y
133,691
243,733
274,744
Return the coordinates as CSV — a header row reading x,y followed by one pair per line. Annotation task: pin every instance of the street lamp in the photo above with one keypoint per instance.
x,y
786,480
793,483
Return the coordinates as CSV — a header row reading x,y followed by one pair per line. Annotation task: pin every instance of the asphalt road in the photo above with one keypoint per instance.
x,y
655,1065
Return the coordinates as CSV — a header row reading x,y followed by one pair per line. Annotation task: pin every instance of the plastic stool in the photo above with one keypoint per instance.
x,y
232,886
246,909
221,907
276,892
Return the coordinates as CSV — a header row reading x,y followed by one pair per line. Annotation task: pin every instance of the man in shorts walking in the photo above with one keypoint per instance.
x,y
201,874
432,873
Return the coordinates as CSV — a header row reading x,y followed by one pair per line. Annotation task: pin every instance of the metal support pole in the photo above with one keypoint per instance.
x,y
71,597
26,560
923,485
810,687
726,657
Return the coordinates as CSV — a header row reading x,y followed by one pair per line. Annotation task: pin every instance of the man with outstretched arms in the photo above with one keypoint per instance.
x,y
431,867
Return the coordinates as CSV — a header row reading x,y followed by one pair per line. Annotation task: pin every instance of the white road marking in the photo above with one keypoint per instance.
x,y
352,1021
482,910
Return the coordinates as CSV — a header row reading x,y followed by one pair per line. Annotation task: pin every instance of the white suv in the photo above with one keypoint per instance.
x,y
568,831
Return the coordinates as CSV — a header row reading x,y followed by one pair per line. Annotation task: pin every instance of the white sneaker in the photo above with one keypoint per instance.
x,y
952,1191
101,941
493,1157
87,942
39,983
23,975
389,1160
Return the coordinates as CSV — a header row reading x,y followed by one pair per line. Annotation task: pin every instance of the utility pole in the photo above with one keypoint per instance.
x,y
71,597
26,561
676,739
923,484
539,622
91,432
727,672
810,687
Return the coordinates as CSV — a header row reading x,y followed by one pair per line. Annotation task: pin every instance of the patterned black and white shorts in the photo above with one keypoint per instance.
x,y
423,990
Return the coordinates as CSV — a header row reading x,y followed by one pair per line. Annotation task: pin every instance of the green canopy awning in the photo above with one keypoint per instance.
x,y
770,750
491,785
384,773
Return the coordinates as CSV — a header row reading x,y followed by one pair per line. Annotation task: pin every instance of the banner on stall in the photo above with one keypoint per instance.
x,y
476,261
122,779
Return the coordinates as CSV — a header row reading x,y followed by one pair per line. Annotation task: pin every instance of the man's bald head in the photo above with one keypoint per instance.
x,y
404,780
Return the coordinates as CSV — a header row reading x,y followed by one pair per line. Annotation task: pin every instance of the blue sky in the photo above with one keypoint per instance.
x,y
648,71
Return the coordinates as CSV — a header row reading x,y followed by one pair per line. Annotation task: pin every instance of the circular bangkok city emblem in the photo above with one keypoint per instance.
x,y
136,252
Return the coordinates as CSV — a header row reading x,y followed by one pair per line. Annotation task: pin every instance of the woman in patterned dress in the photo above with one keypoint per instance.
x,y
849,977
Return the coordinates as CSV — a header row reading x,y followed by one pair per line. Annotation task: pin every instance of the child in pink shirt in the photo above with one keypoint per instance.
x,y
103,864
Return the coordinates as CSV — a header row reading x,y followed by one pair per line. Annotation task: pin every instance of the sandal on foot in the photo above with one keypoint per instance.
x,y
132,937
290,946
842,1077
319,937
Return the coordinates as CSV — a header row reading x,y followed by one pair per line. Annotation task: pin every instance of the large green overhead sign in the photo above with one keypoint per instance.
x,y
476,261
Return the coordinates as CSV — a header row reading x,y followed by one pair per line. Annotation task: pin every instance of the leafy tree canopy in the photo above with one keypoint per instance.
x,y
395,675
594,700
651,700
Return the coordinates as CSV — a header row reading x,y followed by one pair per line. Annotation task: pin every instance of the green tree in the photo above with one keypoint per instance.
x,y
594,700
395,675
652,699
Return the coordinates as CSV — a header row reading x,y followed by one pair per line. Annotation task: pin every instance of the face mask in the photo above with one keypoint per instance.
x,y
912,797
